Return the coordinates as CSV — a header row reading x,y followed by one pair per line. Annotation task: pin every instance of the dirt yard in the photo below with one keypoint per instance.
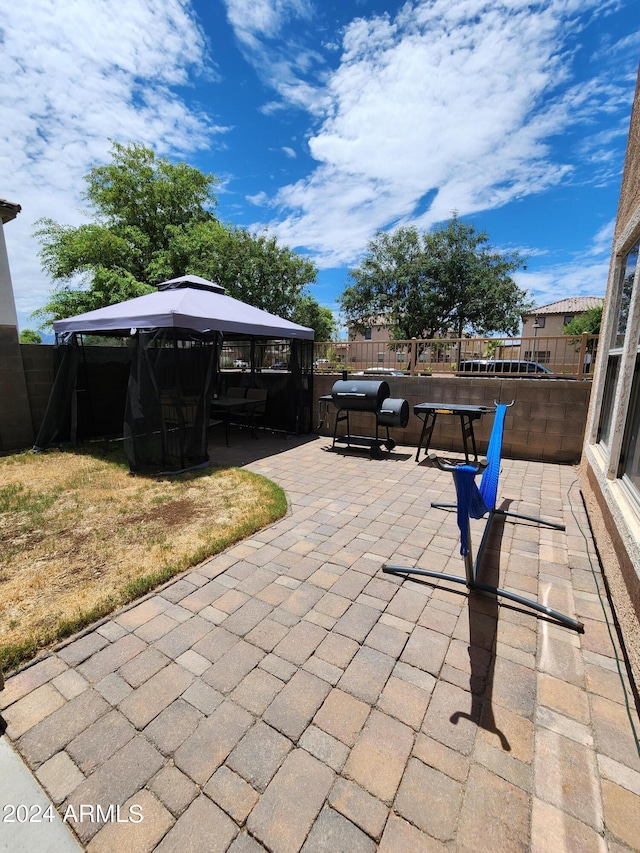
x,y
80,536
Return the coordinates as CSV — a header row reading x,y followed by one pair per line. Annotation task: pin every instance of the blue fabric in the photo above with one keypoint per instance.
x,y
491,474
474,502
470,503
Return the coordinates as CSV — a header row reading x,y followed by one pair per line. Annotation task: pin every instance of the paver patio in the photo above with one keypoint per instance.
x,y
287,695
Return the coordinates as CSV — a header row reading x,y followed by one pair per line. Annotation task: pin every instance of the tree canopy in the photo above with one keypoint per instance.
x,y
588,322
28,336
153,220
445,282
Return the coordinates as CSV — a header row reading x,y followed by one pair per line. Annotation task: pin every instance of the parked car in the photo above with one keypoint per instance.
x,y
504,365
280,365
243,365
379,371
321,363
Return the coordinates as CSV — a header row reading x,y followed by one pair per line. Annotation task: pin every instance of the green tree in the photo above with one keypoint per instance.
x,y
28,336
254,269
446,282
588,322
308,312
153,221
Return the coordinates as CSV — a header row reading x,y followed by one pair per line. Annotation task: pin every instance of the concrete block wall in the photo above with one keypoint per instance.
x,y
546,423
16,427
38,362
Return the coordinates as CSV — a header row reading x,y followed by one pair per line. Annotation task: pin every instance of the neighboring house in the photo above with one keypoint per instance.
x,y
542,327
552,318
610,469
371,348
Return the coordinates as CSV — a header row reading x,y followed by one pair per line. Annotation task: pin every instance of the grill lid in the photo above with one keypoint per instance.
x,y
359,394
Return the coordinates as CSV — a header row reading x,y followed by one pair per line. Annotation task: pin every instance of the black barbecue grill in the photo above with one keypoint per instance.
x,y
353,395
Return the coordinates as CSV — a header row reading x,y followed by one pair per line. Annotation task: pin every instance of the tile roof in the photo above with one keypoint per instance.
x,y
571,305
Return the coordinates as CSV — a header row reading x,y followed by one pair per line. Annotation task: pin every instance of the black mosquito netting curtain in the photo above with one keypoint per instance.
x,y
163,408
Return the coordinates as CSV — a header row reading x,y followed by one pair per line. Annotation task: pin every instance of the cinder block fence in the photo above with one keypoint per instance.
x,y
546,424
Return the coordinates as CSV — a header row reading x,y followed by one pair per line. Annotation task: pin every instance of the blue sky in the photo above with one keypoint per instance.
x,y
327,121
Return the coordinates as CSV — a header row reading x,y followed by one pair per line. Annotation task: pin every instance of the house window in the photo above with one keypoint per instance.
x,y
540,321
568,318
630,462
380,357
367,334
401,356
619,421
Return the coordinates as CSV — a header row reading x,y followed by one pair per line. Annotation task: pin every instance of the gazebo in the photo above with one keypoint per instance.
x,y
159,387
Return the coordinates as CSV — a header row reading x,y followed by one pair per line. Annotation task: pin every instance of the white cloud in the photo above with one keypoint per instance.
x,y
259,199
253,20
458,103
583,278
289,151
74,75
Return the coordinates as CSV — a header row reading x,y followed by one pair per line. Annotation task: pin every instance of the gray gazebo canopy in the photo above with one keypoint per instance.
x,y
188,302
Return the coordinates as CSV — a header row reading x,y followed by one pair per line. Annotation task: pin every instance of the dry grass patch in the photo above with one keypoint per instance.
x,y
80,536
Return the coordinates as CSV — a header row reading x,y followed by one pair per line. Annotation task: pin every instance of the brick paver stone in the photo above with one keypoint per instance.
x,y
342,716
74,653
143,666
291,803
136,616
360,807
114,782
266,634
259,754
60,776
139,837
566,776
324,747
55,732
337,650
378,759
426,650
367,674
173,726
294,707
32,709
31,678
152,697
429,799
404,701
613,736
112,657
215,644
247,617
257,690
231,668
183,637
622,813
441,757
301,642
332,832
552,829
232,793
173,788
494,816
402,836
451,718
204,826
100,740
357,622
205,750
